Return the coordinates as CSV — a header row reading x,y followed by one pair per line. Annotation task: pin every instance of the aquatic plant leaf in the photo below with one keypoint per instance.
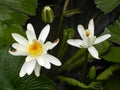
x,y
107,5
108,72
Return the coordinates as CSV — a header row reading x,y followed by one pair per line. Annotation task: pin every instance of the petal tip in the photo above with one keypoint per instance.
x,y
59,64
68,41
12,52
37,75
21,74
13,34
47,26
91,21
56,40
80,26
109,35
29,25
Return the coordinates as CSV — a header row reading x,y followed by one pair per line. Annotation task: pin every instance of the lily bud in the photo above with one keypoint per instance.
x,y
47,15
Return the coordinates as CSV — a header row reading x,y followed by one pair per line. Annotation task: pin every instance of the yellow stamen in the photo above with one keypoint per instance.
x,y
87,32
35,48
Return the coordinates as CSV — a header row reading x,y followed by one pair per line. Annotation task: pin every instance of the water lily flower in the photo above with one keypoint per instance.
x,y
88,39
35,50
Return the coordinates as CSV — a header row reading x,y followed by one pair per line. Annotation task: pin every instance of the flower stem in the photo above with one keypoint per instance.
x,y
62,16
84,68
71,60
62,47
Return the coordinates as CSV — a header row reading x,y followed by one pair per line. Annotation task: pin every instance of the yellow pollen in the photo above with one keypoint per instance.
x,y
87,32
35,48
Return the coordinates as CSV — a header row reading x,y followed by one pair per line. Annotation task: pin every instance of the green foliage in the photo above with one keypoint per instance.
x,y
75,82
69,13
67,34
108,72
74,61
13,14
6,31
112,83
107,5
114,30
8,7
9,75
113,55
92,72
102,47
78,58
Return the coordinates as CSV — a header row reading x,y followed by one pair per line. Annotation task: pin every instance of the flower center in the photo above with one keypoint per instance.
x,y
35,48
87,33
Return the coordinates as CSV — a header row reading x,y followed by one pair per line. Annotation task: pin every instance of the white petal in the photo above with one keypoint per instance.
x,y
93,52
49,45
20,39
29,58
19,47
47,62
30,27
37,69
41,61
44,33
54,44
102,38
75,42
30,66
91,26
81,31
30,33
53,59
16,53
23,70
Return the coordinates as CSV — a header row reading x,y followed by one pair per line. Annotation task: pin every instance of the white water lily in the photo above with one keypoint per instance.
x,y
88,39
35,50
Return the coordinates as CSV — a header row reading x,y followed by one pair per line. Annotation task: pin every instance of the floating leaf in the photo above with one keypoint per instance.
x,y
7,30
108,72
13,14
16,18
113,55
102,47
107,5
4,13
29,6
75,82
112,83
17,10
114,30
